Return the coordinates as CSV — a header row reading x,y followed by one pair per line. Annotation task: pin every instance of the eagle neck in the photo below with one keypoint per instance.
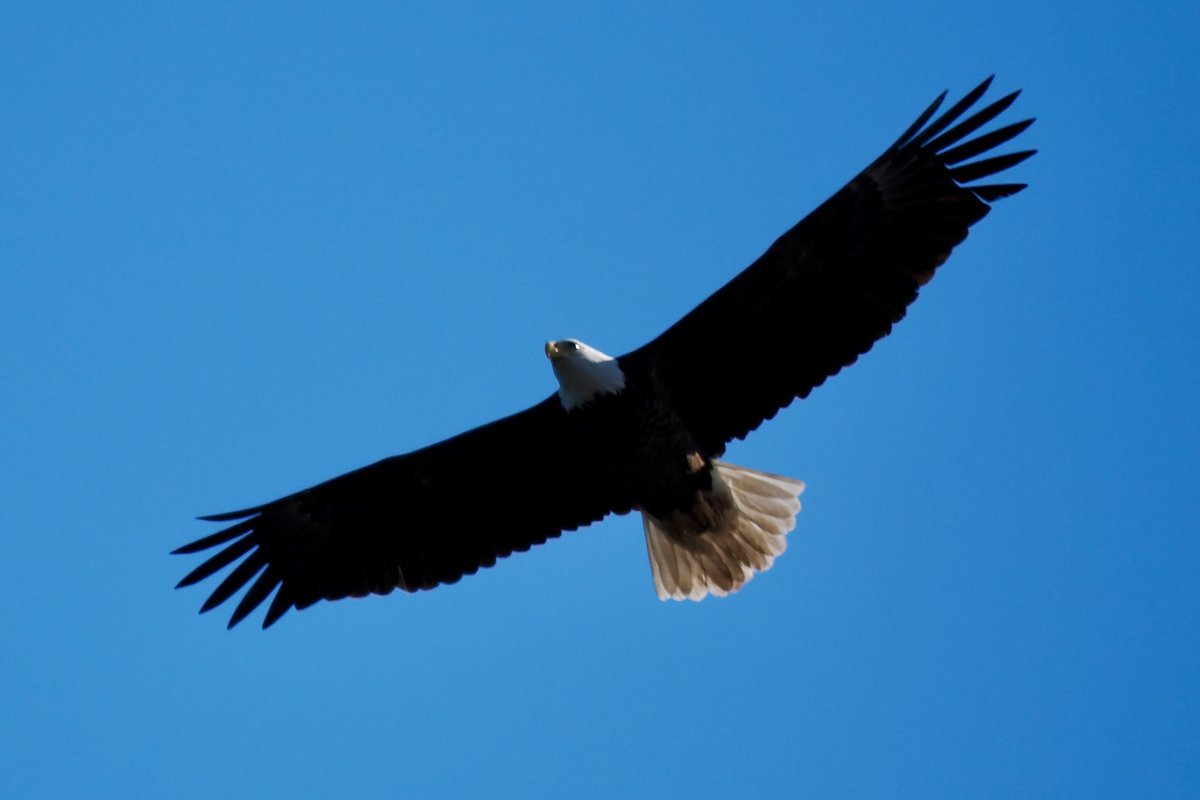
x,y
582,381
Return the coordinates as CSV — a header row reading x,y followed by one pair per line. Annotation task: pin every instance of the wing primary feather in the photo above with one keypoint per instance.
x,y
951,114
240,576
217,562
989,166
983,143
220,537
972,123
921,120
279,605
232,515
997,191
262,587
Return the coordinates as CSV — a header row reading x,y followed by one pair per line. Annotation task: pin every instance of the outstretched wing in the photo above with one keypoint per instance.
x,y
413,521
835,283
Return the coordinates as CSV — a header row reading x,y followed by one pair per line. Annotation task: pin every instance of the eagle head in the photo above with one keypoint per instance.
x,y
583,372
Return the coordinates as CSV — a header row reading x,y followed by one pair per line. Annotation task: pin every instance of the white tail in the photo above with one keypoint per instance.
x,y
687,565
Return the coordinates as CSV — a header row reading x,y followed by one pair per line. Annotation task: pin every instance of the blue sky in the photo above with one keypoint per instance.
x,y
247,249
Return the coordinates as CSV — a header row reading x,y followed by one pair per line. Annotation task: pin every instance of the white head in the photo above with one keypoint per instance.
x,y
583,372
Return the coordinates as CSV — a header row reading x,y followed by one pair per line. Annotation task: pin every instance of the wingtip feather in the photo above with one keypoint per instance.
x,y
950,115
989,166
227,516
920,121
997,191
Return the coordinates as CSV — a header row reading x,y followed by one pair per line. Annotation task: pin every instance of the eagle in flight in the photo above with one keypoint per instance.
x,y
643,431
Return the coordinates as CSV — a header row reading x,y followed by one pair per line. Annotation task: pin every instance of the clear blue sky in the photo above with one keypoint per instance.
x,y
247,249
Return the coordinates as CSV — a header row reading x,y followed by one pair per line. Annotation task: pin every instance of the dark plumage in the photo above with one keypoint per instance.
x,y
643,431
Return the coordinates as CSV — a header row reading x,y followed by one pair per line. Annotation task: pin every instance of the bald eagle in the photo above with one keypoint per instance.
x,y
643,431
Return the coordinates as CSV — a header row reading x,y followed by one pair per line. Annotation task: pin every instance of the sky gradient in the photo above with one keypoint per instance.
x,y
248,249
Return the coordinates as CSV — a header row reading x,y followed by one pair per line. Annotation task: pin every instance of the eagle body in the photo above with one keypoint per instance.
x,y
644,431
709,526
641,444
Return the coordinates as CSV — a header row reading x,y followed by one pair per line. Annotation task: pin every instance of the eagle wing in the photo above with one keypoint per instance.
x,y
413,521
835,283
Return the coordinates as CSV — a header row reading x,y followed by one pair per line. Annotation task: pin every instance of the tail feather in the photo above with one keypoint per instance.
x,y
691,566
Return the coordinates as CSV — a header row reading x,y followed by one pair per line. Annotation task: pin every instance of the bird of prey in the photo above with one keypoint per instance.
x,y
643,431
